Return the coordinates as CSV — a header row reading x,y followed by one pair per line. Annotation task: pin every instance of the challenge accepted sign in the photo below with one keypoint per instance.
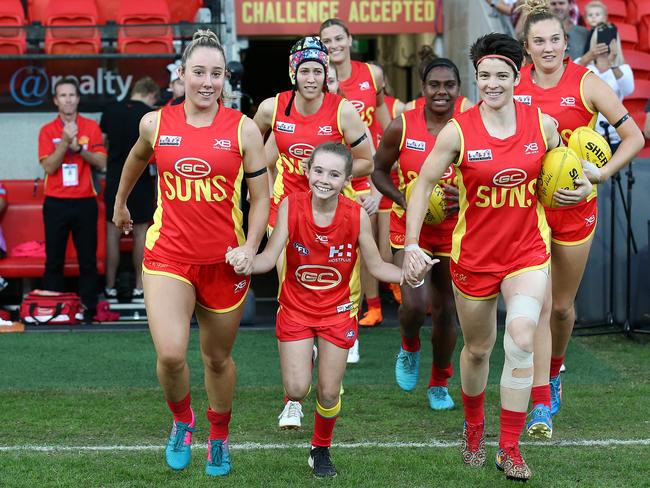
x,y
31,86
302,17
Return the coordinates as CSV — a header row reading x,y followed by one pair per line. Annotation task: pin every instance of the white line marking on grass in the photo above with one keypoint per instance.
x,y
255,446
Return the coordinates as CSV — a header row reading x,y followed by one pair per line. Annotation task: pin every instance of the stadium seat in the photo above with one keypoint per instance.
x,y
636,101
640,63
107,10
141,38
36,10
82,38
616,11
643,26
183,10
12,33
628,34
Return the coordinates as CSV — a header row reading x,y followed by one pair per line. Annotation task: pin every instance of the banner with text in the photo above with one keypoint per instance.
x,y
303,17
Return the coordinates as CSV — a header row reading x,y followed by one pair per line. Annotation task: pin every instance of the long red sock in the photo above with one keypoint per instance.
x,y
439,376
373,302
323,430
541,395
473,407
512,423
411,344
556,364
218,424
182,410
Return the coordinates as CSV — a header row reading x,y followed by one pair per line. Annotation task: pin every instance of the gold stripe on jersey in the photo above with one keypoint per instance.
x,y
372,77
283,270
155,136
237,215
275,111
278,184
542,226
462,104
239,129
541,127
582,97
462,143
401,141
461,226
154,231
355,286
338,118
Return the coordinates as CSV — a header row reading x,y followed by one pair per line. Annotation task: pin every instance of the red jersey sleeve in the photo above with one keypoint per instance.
x,y
45,143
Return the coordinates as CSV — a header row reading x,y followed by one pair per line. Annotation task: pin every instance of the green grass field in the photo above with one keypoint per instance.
x,y
62,393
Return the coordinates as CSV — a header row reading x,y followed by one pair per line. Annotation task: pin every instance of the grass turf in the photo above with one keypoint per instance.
x,y
77,389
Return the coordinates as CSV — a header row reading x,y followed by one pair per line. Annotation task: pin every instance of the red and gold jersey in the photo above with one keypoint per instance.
x,y
391,104
73,179
564,102
296,136
200,172
320,284
415,145
460,105
361,89
500,222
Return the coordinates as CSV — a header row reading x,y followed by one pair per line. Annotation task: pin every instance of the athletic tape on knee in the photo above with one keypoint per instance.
x,y
515,358
328,412
523,306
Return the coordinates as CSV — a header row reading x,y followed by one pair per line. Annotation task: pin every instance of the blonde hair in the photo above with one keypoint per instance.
x,y
597,4
535,11
202,38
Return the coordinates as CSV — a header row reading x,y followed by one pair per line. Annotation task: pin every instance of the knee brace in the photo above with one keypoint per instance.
x,y
523,306
515,358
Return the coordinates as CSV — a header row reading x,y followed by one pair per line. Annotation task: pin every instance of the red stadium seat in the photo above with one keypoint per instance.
x,y
36,10
628,34
12,33
635,102
643,26
107,10
82,38
142,38
640,63
183,10
616,10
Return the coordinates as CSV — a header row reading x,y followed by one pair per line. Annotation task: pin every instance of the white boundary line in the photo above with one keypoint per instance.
x,y
254,446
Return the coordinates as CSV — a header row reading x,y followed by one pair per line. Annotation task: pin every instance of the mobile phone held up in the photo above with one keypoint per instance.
x,y
606,33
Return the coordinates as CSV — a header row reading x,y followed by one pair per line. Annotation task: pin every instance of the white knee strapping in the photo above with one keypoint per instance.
x,y
523,306
515,358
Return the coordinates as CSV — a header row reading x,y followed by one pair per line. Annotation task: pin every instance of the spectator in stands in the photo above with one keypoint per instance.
x,y
176,86
3,244
120,124
69,147
596,15
577,35
510,8
608,63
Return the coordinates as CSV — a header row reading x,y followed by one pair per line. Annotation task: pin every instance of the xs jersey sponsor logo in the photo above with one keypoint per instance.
x,y
285,127
302,250
364,85
591,220
301,150
480,155
532,148
169,140
325,130
321,238
346,307
416,145
527,99
239,287
222,144
342,253
510,177
192,168
317,277
567,102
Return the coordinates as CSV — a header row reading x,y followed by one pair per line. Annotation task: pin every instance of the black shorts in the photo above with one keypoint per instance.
x,y
140,203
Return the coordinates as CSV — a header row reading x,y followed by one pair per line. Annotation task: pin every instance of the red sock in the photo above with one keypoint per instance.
x,y
182,410
411,344
218,424
512,423
556,364
473,406
287,399
541,394
323,430
373,302
439,376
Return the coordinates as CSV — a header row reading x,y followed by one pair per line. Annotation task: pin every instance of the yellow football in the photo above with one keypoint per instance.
x,y
590,146
436,212
560,169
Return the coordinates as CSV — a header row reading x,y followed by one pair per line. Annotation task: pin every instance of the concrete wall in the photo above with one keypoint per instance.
x,y
19,150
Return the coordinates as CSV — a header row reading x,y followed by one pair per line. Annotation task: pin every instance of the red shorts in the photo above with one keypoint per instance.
x,y
571,226
342,334
361,185
218,288
434,239
273,213
486,285
385,204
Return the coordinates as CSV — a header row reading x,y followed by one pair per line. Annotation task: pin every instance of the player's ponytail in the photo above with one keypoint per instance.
x,y
202,38
535,11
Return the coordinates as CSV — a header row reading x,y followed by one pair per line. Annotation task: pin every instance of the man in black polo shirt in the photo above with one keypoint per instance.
x,y
120,124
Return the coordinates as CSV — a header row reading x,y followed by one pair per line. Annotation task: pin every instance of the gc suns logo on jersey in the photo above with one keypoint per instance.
x,y
169,140
285,127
